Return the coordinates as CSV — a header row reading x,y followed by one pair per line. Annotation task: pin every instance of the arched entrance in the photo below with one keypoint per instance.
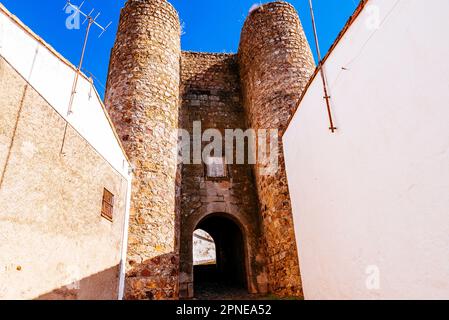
x,y
229,273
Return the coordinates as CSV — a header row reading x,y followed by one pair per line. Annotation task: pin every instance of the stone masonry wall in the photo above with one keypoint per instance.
x,y
211,94
257,88
143,100
275,65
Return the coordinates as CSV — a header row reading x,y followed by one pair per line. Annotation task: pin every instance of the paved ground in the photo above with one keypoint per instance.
x,y
213,291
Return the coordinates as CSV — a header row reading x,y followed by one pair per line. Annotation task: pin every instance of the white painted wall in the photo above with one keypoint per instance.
x,y
52,76
204,251
375,195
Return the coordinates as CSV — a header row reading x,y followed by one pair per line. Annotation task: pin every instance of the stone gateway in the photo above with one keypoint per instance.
x,y
153,90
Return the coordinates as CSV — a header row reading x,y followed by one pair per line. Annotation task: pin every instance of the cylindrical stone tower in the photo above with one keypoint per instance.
x,y
275,65
142,98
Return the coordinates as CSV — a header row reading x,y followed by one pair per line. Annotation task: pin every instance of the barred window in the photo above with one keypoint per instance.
x,y
107,208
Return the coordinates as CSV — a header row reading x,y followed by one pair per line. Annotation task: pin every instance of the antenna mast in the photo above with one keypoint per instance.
x,y
91,20
332,128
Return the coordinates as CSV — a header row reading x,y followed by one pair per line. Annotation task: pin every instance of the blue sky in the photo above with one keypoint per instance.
x,y
210,25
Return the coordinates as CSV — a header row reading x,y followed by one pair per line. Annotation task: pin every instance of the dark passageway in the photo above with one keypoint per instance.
x,y
228,275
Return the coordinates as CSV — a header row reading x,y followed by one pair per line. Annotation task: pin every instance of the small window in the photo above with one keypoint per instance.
x,y
107,208
216,168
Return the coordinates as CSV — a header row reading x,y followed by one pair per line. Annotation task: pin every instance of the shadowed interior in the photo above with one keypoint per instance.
x,y
229,271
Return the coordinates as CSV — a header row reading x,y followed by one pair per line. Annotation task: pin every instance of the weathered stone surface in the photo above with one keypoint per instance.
x,y
275,65
154,89
211,94
143,100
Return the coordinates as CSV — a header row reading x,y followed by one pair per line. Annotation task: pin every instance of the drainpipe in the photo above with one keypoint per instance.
x,y
124,251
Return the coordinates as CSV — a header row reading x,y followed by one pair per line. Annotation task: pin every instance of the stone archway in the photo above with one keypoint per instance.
x,y
248,236
229,274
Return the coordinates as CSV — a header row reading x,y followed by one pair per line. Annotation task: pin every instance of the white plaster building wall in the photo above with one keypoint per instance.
x,y
204,251
52,76
54,243
373,199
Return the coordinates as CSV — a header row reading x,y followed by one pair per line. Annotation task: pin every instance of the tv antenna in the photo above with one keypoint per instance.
x,y
327,97
91,20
